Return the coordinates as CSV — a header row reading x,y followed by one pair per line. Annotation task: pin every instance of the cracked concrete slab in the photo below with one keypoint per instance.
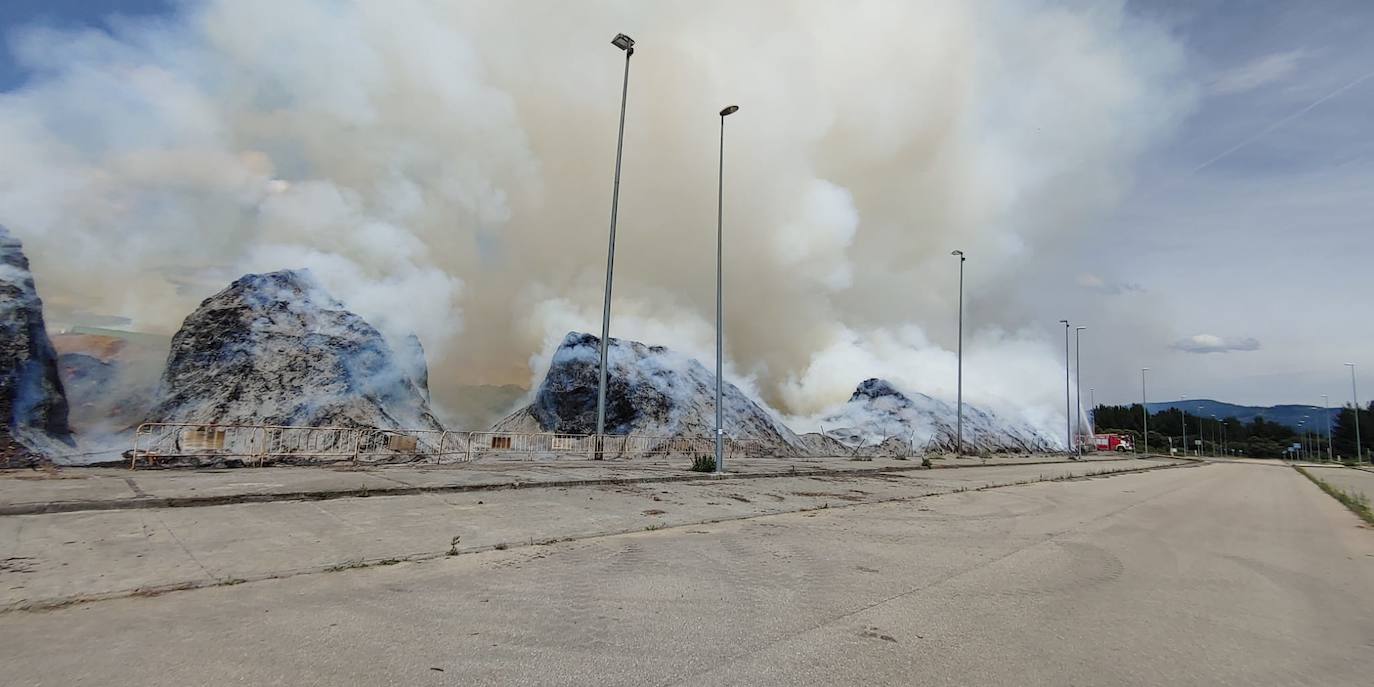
x,y
99,554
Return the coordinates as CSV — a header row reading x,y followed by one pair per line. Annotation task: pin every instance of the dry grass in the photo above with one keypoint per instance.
x,y
1357,502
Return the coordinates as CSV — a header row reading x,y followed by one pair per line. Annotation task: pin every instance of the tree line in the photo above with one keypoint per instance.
x,y
1259,437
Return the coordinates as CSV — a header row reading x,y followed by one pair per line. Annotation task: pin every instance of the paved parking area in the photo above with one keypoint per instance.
x,y
58,557
69,489
1216,575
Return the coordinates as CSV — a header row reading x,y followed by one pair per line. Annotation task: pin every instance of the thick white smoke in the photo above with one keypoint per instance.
x,y
444,168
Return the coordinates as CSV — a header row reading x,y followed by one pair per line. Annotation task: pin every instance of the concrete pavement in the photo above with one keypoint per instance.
x,y
83,489
1348,479
1218,575
65,557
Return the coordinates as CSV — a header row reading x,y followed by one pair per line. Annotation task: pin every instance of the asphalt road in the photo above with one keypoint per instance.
x,y
1224,574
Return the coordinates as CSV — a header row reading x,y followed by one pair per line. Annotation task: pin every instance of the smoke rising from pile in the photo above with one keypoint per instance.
x,y
444,169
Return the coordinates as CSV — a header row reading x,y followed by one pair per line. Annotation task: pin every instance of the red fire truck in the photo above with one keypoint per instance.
x,y
1112,442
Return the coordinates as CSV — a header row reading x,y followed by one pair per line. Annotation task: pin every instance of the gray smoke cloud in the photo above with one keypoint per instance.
x,y
444,169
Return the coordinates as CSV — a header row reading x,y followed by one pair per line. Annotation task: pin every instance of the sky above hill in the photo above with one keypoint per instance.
x,y
1190,180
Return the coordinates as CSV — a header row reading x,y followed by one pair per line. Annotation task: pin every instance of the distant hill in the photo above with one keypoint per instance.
x,y
1289,415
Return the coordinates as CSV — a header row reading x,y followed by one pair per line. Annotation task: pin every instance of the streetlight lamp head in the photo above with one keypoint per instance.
x,y
729,110
956,252
1064,322
624,42
1079,328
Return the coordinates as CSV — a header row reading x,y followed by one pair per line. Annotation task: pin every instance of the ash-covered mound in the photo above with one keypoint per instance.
x,y
277,349
650,390
33,406
877,414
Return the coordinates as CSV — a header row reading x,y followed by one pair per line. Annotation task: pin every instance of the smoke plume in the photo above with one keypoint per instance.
x,y
444,168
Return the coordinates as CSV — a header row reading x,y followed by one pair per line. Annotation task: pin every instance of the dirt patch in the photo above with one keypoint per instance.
x,y
874,633
853,495
18,564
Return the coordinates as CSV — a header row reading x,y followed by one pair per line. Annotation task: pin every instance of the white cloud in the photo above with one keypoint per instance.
x,y
1258,72
1211,343
1093,282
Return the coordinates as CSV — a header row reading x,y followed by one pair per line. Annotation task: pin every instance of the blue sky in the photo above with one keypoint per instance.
x,y
64,14
1238,264
1252,223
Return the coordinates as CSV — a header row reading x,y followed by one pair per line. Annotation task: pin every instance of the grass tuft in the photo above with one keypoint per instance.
x,y
703,464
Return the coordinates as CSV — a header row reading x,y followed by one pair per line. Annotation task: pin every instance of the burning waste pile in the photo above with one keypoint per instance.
x,y
880,416
650,390
276,350
33,404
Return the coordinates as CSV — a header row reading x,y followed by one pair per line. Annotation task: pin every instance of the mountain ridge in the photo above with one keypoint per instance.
x,y
1287,414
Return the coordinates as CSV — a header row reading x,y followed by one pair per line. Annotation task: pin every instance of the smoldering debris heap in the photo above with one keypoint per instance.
x,y
277,349
881,417
650,390
110,377
33,406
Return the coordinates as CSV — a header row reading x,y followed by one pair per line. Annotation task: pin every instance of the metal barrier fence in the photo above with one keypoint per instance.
x,y
159,443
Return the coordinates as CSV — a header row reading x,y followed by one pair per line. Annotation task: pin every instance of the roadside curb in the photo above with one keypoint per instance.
x,y
50,507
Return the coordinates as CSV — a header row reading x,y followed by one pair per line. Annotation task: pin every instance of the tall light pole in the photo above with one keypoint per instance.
x,y
959,394
1216,437
1201,432
1302,438
1145,413
1068,418
1306,435
720,326
1078,386
1183,414
1355,396
1092,413
1326,413
626,44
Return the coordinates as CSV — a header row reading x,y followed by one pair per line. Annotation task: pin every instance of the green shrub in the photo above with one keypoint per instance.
x,y
704,464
